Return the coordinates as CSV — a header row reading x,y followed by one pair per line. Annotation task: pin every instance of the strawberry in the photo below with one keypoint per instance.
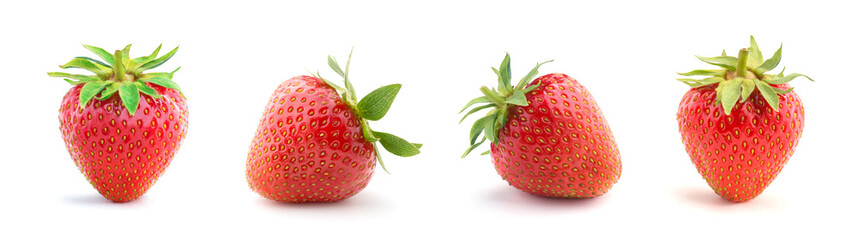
x,y
739,125
548,138
122,142
314,143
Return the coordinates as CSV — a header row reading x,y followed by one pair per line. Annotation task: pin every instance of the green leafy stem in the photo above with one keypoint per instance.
x,y
372,107
740,76
118,73
500,100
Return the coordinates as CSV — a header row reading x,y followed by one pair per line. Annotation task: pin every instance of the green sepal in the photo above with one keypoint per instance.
x,y
350,94
768,93
530,88
89,90
702,72
347,98
505,76
73,82
472,147
157,62
86,65
349,63
478,127
168,75
726,62
493,96
82,78
530,75
788,78
375,105
331,84
154,54
162,81
126,55
335,66
782,91
101,53
481,99
747,88
500,121
755,56
476,109
135,64
101,64
486,152
490,129
146,89
367,132
378,157
349,87
700,82
728,93
517,98
108,92
770,63
396,145
130,96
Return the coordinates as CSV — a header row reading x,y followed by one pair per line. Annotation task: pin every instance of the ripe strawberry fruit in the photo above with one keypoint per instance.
x,y
120,139
314,144
548,138
741,150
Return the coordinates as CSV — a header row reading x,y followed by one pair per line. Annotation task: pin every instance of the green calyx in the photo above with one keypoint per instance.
x,y
119,73
499,100
372,107
740,76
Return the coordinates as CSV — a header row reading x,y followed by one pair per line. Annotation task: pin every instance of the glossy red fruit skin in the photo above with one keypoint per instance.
x,y
558,146
309,146
741,154
122,155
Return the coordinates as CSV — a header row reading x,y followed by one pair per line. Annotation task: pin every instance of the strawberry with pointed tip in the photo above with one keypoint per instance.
x,y
548,138
314,143
122,126
740,151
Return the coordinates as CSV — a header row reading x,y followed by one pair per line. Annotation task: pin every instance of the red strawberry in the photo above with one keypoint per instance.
x,y
552,140
740,151
314,144
121,144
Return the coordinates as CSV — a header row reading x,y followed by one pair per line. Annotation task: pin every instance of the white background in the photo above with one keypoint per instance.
x,y
234,54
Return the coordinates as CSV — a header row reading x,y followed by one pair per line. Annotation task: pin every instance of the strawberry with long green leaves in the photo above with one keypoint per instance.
x,y
122,125
548,137
314,143
739,124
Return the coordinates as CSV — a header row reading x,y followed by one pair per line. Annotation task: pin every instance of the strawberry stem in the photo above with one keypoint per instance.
x,y
742,64
118,67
